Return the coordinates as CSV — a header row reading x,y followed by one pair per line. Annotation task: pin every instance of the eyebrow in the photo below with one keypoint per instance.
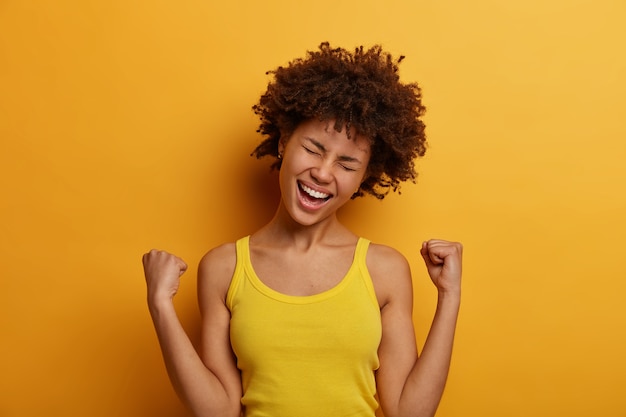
x,y
322,148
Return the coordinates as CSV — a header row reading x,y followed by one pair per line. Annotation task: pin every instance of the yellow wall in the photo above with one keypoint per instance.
x,y
127,125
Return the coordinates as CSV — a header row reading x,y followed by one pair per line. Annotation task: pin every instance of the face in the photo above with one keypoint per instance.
x,y
321,170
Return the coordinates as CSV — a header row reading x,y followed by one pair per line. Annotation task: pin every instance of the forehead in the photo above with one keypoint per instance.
x,y
323,132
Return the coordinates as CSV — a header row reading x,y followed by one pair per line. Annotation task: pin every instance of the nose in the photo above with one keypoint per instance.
x,y
322,172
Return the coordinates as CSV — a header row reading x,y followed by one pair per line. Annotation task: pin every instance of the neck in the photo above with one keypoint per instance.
x,y
283,230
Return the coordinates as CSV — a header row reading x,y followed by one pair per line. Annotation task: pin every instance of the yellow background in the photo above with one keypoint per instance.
x,y
127,125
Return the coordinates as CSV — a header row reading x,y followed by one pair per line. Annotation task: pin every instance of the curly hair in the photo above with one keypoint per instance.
x,y
360,90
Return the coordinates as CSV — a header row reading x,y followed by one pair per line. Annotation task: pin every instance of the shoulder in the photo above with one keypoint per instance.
x,y
385,261
390,272
215,271
220,257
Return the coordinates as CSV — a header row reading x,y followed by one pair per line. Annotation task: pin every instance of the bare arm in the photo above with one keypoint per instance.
x,y
408,385
205,390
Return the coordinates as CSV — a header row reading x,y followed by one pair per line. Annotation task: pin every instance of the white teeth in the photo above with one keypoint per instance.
x,y
313,193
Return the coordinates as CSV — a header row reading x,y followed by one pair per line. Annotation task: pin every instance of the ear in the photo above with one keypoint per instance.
x,y
282,142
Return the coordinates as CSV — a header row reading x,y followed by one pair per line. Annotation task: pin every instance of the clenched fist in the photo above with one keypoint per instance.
x,y
443,260
163,271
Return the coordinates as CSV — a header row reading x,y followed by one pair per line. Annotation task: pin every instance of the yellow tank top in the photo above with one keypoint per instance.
x,y
304,356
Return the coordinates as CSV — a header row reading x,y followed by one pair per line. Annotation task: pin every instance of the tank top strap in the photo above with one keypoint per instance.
x,y
360,259
242,259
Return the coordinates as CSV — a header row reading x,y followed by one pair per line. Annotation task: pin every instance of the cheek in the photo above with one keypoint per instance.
x,y
300,161
350,182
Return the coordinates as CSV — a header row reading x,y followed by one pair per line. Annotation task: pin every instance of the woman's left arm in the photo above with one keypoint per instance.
x,y
408,385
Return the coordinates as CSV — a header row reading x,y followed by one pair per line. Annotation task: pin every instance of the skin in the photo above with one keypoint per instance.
x,y
307,232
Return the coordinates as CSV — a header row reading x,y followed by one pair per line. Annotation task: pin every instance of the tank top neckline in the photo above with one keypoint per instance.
x,y
301,299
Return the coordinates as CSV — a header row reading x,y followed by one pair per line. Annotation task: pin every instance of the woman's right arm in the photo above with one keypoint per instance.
x,y
208,383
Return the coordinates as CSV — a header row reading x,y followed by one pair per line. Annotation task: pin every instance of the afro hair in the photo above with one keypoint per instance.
x,y
360,90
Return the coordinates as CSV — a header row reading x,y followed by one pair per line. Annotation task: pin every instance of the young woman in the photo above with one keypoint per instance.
x,y
303,317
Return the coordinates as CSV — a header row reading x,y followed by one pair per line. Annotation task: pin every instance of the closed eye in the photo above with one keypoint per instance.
x,y
312,152
347,168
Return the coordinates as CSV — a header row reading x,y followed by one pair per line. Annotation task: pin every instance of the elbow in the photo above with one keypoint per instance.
x,y
228,409
412,410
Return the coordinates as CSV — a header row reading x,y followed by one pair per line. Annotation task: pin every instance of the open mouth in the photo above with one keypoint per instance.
x,y
311,196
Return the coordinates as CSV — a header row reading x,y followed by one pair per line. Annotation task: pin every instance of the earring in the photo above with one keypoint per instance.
x,y
280,155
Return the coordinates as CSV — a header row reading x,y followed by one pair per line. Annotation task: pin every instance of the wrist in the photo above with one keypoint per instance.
x,y
449,297
157,304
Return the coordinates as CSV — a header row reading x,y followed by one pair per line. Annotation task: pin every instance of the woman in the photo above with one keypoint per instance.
x,y
303,317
